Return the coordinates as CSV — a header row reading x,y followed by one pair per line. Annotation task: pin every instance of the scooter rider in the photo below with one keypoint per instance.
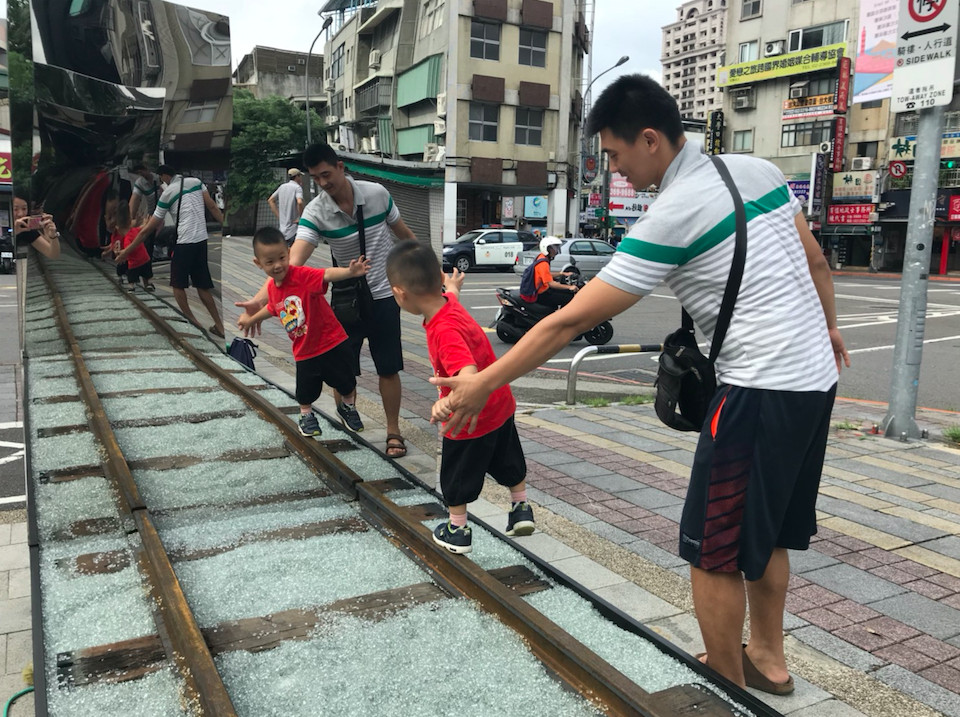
x,y
549,291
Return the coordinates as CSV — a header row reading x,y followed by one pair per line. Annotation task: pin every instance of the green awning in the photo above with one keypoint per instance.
x,y
413,180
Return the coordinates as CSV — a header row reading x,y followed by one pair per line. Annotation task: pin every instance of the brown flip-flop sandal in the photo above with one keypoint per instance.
x,y
396,444
758,681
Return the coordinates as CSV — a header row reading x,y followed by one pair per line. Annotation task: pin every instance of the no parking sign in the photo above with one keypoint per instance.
x,y
897,169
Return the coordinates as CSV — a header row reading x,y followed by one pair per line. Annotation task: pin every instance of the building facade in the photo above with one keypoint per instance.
x,y
268,71
486,92
692,51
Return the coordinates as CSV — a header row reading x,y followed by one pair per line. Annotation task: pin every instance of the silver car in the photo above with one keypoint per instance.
x,y
580,256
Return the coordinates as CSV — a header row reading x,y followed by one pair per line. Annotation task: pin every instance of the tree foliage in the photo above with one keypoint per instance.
x,y
264,130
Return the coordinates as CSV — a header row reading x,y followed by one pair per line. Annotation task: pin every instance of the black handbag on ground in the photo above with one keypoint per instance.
x,y
686,379
166,238
351,299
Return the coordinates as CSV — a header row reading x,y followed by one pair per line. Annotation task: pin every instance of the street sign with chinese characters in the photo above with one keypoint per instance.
x,y
926,54
850,213
856,185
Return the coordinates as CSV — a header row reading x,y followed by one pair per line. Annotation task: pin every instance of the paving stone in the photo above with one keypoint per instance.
x,y
928,616
671,512
928,589
15,615
824,618
588,573
893,574
18,583
802,561
682,630
921,689
853,611
5,533
900,527
838,649
540,497
656,554
904,656
853,583
944,675
548,548
19,648
949,546
827,708
572,513
650,498
610,482
804,695
13,556
937,649
640,604
612,533
942,491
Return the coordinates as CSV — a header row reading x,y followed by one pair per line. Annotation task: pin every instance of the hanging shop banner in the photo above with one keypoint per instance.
x,y
793,63
803,107
857,185
905,148
506,208
6,165
800,189
839,138
850,213
953,210
842,92
818,173
876,50
715,132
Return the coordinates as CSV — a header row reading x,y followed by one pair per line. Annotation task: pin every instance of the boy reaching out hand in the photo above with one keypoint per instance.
x,y
296,297
457,345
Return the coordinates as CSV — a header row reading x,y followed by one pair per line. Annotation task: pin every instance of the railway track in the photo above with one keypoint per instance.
x,y
191,553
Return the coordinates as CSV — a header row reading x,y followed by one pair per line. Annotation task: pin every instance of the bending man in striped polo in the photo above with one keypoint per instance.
x,y
757,468
331,217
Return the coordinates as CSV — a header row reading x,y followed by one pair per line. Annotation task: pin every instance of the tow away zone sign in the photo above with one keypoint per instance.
x,y
926,54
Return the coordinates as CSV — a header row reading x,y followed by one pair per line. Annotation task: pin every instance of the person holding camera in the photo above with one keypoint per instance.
x,y
38,230
355,218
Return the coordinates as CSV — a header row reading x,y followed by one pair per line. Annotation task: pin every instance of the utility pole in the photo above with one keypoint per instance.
x,y
912,316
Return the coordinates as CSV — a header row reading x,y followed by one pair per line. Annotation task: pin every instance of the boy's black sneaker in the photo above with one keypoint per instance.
x,y
349,417
520,519
456,540
309,425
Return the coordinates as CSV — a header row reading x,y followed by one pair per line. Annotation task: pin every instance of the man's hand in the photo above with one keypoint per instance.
x,y
359,266
248,325
464,402
839,350
250,307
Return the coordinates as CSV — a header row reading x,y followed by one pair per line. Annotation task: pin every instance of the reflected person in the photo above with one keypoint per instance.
x,y
45,238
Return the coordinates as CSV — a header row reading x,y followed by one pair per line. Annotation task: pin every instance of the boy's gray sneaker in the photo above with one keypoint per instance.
x,y
309,425
350,417
520,519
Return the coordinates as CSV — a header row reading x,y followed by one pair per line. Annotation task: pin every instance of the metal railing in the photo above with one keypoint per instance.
x,y
609,349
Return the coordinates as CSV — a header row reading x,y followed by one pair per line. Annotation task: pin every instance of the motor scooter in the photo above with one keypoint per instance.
x,y
7,260
517,316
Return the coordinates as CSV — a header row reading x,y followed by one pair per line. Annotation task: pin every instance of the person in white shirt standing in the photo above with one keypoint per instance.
x,y
287,203
185,198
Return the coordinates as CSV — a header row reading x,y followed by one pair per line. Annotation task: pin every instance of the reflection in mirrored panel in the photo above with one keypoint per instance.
x,y
106,93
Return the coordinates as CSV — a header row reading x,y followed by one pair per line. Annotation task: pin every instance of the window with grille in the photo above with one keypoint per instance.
x,y
529,126
749,9
805,133
484,40
483,122
461,212
533,48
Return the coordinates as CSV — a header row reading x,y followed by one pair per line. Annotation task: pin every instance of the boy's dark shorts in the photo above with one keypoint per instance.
x,y
382,331
755,478
332,368
189,264
144,271
464,463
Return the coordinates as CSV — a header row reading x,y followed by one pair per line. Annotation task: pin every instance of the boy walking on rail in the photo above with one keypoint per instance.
x,y
457,345
296,297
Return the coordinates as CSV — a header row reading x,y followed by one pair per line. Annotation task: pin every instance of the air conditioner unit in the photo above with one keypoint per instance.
x,y
442,104
374,143
798,92
330,86
742,102
341,148
430,150
773,48
333,119
291,68
860,164
365,145
374,59
826,147
439,126
301,61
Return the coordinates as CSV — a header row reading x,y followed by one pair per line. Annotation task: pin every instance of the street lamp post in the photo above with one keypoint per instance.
x,y
306,84
583,142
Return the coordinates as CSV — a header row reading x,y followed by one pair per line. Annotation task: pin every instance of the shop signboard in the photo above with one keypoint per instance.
x,y
594,200
792,63
857,185
905,147
839,138
953,210
620,187
842,92
926,41
6,165
535,207
715,132
850,213
800,189
818,172
507,208
803,107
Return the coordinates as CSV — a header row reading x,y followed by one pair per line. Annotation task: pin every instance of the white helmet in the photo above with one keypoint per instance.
x,y
548,242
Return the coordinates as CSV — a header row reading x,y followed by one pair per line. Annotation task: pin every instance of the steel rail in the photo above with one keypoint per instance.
x,y
186,649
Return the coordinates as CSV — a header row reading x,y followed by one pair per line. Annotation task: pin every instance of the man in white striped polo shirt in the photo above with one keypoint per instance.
x,y
757,467
331,217
185,199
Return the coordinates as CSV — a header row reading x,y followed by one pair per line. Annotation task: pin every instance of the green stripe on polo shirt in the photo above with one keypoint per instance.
x,y
173,201
352,229
721,230
390,205
310,225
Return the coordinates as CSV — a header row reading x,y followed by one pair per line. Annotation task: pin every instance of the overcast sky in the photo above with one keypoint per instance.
x,y
623,27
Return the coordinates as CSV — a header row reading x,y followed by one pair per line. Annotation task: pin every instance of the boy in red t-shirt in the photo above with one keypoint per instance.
x,y
296,296
458,345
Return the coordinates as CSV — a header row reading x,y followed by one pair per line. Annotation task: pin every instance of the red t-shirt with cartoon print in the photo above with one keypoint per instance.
x,y
455,341
303,310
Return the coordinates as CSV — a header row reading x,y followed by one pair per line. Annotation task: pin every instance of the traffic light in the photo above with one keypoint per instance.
x,y
949,164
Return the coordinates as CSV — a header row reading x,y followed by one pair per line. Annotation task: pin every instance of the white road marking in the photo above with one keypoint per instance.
x,y
14,424
11,458
885,348
13,499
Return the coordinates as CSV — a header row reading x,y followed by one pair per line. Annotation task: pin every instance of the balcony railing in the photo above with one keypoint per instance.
x,y
374,95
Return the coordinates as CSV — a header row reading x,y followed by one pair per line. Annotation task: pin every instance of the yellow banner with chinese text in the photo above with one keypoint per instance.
x,y
793,63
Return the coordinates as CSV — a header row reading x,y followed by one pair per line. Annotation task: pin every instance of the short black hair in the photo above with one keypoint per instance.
x,y
633,103
413,266
267,236
319,153
166,169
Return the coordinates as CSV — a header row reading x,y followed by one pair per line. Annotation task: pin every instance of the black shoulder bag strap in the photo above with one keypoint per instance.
x,y
361,235
736,268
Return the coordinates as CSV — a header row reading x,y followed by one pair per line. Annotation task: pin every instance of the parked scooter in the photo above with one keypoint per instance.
x,y
7,261
517,316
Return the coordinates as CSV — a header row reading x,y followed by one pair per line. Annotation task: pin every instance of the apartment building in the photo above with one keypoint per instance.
x,y
469,111
692,50
268,71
